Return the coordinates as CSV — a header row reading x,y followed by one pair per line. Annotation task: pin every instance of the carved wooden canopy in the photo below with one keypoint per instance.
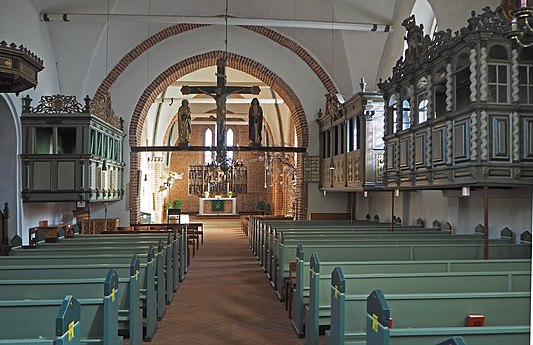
x,y
18,68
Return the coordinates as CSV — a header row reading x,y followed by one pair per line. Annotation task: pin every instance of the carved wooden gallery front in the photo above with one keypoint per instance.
x,y
458,108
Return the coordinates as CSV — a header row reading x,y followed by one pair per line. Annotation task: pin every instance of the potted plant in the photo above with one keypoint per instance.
x,y
260,206
177,204
206,194
230,194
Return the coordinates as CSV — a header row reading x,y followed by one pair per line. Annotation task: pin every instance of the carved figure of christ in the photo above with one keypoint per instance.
x,y
220,92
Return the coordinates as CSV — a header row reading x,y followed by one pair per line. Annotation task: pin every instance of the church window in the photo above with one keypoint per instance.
x,y
336,140
406,114
341,141
526,76
498,79
393,114
208,141
462,82
229,142
349,135
421,100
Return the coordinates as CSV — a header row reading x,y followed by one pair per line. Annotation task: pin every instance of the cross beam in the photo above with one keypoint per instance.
x,y
220,92
213,148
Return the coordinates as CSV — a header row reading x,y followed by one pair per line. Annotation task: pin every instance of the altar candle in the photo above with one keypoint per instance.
x,y
523,3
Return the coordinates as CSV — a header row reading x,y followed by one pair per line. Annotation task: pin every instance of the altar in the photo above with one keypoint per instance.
x,y
218,206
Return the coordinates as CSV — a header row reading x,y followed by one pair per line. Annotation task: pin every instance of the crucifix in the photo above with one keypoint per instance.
x,y
220,92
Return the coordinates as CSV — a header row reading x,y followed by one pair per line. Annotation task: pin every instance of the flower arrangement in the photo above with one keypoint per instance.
x,y
206,194
230,194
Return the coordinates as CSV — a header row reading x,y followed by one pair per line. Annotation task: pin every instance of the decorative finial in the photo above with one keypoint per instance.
x,y
362,85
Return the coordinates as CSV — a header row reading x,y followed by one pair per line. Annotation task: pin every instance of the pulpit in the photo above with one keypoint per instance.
x,y
218,206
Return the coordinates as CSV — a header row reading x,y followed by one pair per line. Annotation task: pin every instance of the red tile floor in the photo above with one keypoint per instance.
x,y
226,297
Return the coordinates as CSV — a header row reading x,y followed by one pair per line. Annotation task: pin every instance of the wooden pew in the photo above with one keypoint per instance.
x,y
110,252
99,313
454,341
285,246
402,252
427,318
53,326
17,267
48,282
169,243
411,282
316,285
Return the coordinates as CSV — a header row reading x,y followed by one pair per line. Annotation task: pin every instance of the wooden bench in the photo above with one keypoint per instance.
x,y
99,312
428,318
48,282
166,241
313,287
17,267
287,243
112,251
52,326
395,283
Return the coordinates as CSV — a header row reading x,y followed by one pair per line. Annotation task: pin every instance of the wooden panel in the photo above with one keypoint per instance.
x,y
390,155
438,156
420,149
404,152
528,138
500,138
66,175
41,176
461,140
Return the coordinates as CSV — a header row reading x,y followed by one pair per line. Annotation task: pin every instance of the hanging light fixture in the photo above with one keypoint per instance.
x,y
521,24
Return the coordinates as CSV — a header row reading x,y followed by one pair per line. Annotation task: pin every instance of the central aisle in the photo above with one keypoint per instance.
x,y
226,297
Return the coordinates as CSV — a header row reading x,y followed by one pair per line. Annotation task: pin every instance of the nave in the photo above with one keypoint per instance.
x,y
225,298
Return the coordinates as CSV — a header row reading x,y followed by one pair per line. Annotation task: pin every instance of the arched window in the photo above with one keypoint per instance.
x,y
526,76
406,114
462,82
229,142
498,77
422,100
208,141
393,114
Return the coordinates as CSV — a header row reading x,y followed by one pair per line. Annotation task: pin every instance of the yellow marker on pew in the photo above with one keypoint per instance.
x,y
136,275
336,291
375,322
70,331
113,295
313,273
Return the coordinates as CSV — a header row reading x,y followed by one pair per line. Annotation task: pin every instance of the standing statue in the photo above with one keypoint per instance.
x,y
255,122
184,123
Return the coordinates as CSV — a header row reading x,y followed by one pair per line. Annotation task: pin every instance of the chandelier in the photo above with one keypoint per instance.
x,y
521,29
280,168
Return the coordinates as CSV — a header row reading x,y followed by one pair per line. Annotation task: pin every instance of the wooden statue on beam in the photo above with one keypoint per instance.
x,y
255,123
184,124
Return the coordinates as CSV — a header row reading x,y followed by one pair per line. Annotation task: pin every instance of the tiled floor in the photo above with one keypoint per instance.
x,y
226,297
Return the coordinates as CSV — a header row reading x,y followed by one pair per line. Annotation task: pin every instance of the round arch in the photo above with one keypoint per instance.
x,y
191,64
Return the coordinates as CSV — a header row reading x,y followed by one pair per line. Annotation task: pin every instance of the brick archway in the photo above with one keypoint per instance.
x,y
192,64
178,29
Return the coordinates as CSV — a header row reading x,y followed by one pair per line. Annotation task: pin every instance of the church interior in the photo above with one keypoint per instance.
x,y
265,127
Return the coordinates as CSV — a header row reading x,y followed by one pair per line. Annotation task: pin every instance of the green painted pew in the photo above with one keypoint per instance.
x,y
274,232
111,251
403,252
47,282
394,283
53,326
177,260
99,316
427,318
21,267
316,285
171,266
364,238
331,236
